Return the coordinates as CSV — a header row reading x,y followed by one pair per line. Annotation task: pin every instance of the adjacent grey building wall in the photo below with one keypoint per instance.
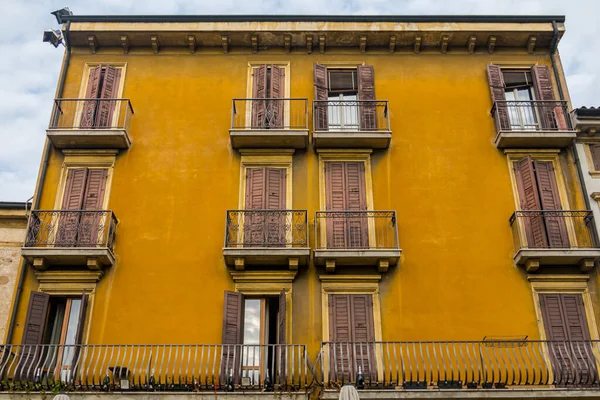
x,y
592,183
13,223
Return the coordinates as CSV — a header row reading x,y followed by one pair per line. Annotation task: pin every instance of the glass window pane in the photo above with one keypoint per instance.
x,y
72,327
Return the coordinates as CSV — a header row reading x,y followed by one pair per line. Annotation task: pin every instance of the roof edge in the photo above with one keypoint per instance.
x,y
317,18
10,205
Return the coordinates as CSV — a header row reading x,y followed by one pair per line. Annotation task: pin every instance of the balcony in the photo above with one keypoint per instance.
x,y
525,124
554,238
266,238
356,238
424,369
174,368
90,124
269,123
351,124
70,238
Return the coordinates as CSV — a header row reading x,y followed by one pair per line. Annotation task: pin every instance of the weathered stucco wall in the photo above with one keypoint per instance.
x,y
442,174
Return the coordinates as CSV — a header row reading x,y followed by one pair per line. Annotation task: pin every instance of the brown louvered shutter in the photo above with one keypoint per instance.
x,y
564,320
110,89
366,92
335,201
595,152
277,89
321,93
529,199
340,334
259,91
281,337
90,222
92,92
254,226
555,225
233,331
496,83
357,230
68,224
35,322
551,115
363,331
275,200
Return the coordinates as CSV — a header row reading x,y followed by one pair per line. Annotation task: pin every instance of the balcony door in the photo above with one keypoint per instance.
x,y
538,191
268,88
265,213
84,190
565,323
99,106
346,202
345,98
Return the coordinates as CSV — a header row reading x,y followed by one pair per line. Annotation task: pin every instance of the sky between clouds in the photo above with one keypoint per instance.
x,y
29,68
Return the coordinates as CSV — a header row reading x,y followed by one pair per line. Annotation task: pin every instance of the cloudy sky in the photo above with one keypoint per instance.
x,y
29,68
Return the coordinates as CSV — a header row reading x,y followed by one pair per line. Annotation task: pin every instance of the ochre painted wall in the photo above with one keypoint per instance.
x,y
442,174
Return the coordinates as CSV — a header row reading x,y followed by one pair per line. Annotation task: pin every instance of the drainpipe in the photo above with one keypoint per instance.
x,y
553,48
38,191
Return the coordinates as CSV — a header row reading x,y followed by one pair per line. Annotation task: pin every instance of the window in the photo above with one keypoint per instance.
x,y
346,192
100,109
345,98
257,325
538,190
268,86
595,156
519,91
351,329
84,191
524,99
265,190
54,320
565,321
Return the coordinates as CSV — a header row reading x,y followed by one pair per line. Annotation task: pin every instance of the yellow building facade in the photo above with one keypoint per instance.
x,y
304,184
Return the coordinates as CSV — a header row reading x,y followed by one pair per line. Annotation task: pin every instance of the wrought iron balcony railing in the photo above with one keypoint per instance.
x,y
461,364
81,228
91,114
356,230
261,114
351,115
531,115
155,367
545,229
266,228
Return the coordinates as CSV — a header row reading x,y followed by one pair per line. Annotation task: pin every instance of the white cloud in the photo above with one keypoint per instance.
x,y
29,68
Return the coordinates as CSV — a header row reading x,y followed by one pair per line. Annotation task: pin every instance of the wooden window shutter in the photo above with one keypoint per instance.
x,y
81,320
357,227
529,199
277,91
275,194
595,152
90,223
92,91
233,334
550,200
68,224
551,116
259,93
321,93
281,337
255,188
340,333
95,188
496,83
363,331
366,92
553,316
335,197
74,188
110,90
35,322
